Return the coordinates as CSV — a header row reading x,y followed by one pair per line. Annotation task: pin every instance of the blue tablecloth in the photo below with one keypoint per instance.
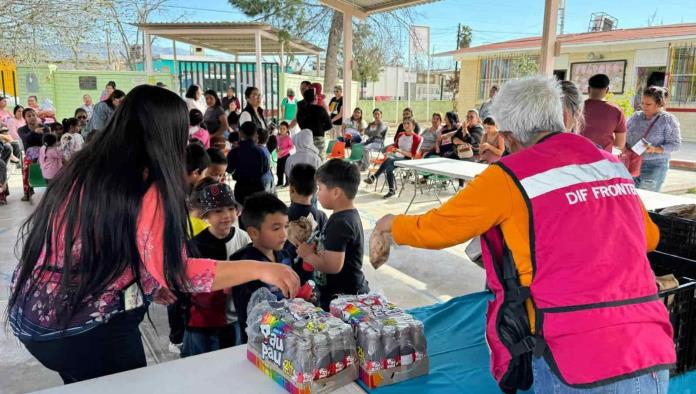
x,y
459,357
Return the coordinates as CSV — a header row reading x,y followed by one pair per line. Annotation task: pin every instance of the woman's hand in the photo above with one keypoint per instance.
x,y
384,225
484,146
164,296
281,276
654,149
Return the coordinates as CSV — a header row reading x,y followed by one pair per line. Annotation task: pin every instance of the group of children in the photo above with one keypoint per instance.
x,y
224,229
49,146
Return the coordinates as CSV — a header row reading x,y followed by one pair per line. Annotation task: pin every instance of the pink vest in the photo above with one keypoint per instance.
x,y
598,316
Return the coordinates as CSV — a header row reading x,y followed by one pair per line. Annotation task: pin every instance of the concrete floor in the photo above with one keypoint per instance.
x,y
411,278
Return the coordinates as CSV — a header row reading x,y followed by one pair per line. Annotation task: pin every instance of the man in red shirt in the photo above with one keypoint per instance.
x,y
605,123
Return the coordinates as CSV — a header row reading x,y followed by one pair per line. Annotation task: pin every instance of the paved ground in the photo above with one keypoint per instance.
x,y
412,278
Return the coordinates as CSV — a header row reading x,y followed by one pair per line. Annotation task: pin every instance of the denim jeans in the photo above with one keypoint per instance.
x,y
388,167
649,383
652,174
204,340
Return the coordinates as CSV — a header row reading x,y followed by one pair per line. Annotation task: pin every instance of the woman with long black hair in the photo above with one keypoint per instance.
x,y
103,112
109,233
214,117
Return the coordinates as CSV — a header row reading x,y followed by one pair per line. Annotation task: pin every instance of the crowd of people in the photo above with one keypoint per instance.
x,y
127,156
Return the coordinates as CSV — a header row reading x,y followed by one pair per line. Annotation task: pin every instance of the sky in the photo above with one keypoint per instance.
x,y
492,20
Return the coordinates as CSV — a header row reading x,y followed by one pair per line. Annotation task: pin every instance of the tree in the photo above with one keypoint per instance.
x,y
465,36
368,54
314,22
525,65
39,30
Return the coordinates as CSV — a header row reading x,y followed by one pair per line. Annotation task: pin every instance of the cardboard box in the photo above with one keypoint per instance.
x,y
319,386
389,376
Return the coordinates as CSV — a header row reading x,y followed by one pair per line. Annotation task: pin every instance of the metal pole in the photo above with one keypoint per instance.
x,y
148,52
347,64
548,39
408,75
259,73
282,55
396,107
176,68
373,95
427,89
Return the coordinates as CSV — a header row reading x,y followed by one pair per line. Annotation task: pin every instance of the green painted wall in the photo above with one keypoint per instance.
x,y
293,81
391,112
63,88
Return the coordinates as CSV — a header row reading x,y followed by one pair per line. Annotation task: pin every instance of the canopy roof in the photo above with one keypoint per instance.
x,y
363,8
236,38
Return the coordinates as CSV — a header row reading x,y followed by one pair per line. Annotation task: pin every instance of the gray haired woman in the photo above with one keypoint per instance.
x,y
526,199
662,139
573,117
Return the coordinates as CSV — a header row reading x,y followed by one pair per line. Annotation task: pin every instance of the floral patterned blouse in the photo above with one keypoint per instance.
x,y
33,318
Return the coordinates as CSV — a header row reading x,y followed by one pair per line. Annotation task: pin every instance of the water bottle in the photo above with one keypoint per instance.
x,y
392,350
322,356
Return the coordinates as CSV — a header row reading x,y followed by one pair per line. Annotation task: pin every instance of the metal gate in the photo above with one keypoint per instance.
x,y
219,76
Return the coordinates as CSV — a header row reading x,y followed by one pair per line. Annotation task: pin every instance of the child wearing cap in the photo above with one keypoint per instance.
x,y
212,322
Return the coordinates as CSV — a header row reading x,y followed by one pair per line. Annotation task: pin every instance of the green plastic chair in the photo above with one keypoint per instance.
x,y
357,151
36,178
329,146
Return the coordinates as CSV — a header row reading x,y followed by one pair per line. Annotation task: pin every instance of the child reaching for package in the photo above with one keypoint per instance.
x,y
338,255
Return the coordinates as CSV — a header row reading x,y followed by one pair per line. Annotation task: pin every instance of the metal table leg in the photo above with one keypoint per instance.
x,y
415,190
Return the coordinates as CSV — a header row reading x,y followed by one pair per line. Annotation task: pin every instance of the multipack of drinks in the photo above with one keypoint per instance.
x,y
300,346
391,344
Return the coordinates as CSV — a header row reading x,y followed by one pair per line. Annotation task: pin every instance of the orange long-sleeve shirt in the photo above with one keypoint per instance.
x,y
490,200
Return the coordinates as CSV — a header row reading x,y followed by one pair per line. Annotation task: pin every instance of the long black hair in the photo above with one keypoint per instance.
x,y
453,118
214,94
69,123
95,201
191,91
116,94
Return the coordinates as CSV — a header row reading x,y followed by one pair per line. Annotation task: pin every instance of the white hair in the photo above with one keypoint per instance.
x,y
528,106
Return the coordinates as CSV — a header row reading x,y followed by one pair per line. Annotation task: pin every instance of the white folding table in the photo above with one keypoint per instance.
x,y
457,169
224,371
467,170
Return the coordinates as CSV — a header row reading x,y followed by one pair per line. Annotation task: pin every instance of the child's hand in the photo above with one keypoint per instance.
x,y
282,277
305,250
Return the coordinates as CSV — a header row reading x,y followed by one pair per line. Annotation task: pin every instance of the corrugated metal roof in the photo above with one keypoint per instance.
x,y
666,32
374,6
230,37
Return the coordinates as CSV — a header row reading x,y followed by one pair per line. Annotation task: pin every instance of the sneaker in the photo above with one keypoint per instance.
x,y
14,159
370,179
391,194
26,197
174,348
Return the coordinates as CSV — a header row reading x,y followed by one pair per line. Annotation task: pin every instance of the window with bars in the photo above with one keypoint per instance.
x,y
496,70
682,78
